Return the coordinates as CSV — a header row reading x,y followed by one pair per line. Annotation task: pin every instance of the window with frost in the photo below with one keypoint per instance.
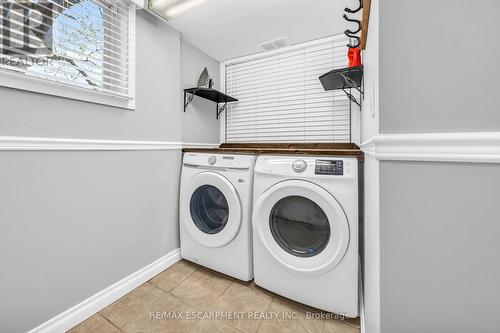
x,y
82,49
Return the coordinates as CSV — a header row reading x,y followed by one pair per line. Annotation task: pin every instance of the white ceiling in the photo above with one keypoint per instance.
x,y
227,29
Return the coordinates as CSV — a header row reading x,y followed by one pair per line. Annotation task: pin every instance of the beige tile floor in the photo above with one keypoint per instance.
x,y
190,298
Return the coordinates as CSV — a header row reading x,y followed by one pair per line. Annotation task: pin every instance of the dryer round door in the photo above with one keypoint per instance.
x,y
302,226
211,209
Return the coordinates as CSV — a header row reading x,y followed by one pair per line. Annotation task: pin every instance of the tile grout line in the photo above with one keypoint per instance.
x,y
225,320
140,314
188,304
236,328
306,308
184,302
348,324
180,300
219,296
229,285
342,322
323,326
169,292
109,321
229,322
267,310
187,277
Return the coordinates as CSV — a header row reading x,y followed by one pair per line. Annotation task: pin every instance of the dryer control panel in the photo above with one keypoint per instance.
x,y
321,167
329,167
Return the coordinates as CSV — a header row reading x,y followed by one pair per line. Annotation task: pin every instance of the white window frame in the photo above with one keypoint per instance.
x,y
355,116
21,81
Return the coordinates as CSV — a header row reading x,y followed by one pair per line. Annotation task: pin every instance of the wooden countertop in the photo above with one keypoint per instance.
x,y
323,149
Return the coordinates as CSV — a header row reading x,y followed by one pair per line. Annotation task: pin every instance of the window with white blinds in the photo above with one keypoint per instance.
x,y
281,98
86,44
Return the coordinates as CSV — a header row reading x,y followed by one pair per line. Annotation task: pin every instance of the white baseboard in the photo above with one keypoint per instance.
x,y
80,312
469,147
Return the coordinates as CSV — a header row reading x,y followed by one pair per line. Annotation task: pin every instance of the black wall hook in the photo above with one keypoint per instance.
x,y
354,21
352,11
358,22
351,33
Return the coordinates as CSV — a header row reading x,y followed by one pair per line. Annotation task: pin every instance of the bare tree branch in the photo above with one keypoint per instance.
x,y
73,63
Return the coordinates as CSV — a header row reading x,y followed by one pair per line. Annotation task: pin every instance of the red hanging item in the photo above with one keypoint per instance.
x,y
354,56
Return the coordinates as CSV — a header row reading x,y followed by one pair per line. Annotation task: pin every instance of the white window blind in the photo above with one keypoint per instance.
x,y
282,100
79,43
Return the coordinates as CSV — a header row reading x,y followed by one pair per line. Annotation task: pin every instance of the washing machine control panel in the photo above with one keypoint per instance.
x,y
235,162
329,167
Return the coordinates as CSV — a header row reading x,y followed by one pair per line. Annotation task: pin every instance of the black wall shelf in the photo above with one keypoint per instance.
x,y
342,79
210,94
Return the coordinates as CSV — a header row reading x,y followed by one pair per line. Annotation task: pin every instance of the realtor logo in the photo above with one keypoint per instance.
x,y
26,30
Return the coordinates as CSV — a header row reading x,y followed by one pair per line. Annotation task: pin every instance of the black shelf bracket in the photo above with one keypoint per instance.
x,y
352,98
353,85
218,110
188,99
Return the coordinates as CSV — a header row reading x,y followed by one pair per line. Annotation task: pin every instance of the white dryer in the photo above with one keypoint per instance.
x,y
215,212
305,230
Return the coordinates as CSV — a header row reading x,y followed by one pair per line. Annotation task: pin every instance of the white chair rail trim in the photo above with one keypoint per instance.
x,y
470,147
199,145
34,143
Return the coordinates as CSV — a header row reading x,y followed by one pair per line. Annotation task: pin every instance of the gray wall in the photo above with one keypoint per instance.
x,y
75,222
439,72
199,124
439,66
439,247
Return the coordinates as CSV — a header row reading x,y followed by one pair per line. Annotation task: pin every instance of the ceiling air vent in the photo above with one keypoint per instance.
x,y
274,44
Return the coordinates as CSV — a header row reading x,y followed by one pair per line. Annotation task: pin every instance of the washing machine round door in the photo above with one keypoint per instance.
x,y
302,226
210,209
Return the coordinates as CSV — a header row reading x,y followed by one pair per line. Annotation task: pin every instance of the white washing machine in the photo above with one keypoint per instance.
x,y
305,230
215,212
